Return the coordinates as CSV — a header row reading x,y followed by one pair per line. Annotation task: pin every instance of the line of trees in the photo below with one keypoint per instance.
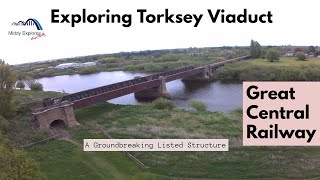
x,y
313,50
273,53
14,163
256,51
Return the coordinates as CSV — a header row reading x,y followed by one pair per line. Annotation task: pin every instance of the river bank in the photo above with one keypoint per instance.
x,y
144,121
121,121
286,69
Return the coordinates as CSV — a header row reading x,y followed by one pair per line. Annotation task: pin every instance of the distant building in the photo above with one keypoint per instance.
x,y
194,54
289,54
75,65
86,64
39,69
67,65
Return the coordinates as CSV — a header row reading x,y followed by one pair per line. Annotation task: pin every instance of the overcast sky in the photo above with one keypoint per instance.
x,y
294,22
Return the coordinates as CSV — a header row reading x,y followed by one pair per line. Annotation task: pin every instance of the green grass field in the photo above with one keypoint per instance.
x,y
61,159
24,96
286,62
239,162
287,69
20,131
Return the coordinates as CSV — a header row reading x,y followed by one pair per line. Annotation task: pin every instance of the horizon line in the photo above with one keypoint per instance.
x,y
112,53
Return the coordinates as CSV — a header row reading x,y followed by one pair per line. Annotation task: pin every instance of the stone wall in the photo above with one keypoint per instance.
x,y
64,112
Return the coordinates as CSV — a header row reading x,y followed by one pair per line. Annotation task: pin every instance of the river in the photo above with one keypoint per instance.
x,y
217,95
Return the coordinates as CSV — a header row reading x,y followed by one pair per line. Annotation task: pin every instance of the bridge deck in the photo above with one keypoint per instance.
x,y
92,96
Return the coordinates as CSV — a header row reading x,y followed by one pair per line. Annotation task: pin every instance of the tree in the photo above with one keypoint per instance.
x,y
263,54
14,163
301,56
255,49
17,165
7,83
297,50
35,86
20,85
312,49
273,55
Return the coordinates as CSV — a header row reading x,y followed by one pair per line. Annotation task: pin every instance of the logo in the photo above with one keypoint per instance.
x,y
32,29
29,22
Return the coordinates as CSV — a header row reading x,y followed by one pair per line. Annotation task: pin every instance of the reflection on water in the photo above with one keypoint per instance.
x,y
218,96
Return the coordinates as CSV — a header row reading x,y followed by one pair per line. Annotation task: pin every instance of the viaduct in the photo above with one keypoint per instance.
x,y
153,86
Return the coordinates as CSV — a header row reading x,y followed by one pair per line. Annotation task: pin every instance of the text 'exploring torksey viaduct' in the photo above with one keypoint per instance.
x,y
143,16
281,114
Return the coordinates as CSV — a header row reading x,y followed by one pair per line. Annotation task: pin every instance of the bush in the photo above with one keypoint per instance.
x,y
273,55
263,54
153,68
35,86
198,105
249,71
16,164
170,57
4,125
20,85
88,70
301,56
162,103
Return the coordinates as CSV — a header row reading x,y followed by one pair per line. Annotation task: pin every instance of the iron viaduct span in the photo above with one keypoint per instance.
x,y
152,86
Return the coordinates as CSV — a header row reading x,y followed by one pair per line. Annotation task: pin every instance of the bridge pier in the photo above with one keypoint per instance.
x,y
155,92
63,112
205,76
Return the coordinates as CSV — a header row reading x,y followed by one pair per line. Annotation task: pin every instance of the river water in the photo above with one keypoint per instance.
x,y
217,95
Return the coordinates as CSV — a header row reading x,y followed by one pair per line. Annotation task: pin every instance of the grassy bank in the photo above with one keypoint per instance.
x,y
239,162
65,159
24,96
287,69
60,159
20,132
